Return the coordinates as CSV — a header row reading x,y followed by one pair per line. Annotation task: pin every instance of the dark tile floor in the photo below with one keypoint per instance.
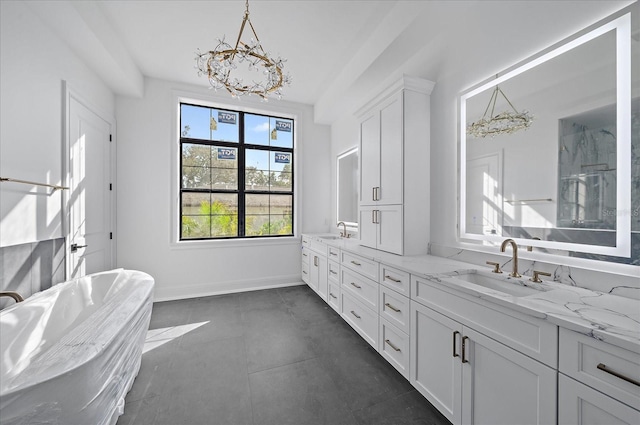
x,y
279,356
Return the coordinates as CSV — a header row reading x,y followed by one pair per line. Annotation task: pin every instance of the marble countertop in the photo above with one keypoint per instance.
x,y
610,318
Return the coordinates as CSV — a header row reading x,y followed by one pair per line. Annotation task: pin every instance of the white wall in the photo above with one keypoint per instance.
x,y
33,64
144,197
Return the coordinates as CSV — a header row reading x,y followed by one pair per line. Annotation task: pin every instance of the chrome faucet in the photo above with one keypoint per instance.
x,y
514,270
11,294
344,234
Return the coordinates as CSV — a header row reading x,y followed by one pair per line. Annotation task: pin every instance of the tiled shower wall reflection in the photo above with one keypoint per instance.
x,y
31,267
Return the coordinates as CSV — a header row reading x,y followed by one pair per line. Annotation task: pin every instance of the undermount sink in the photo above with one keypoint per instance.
x,y
329,237
498,283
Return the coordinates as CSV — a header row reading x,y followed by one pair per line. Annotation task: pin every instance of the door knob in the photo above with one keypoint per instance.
x,y
75,247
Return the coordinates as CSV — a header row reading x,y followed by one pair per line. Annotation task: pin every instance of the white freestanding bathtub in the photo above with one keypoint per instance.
x,y
69,355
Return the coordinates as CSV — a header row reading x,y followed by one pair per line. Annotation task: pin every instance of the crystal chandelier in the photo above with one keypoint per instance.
x,y
220,65
506,122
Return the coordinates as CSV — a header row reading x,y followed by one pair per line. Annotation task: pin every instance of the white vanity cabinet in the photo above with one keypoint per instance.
x,y
359,295
598,382
333,285
305,264
394,310
315,266
381,227
381,149
394,171
470,377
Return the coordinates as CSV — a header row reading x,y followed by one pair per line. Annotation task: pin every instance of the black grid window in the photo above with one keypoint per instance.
x,y
236,178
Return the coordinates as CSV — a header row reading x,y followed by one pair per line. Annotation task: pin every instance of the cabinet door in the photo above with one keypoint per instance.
x,y
391,151
579,404
390,228
369,158
503,386
367,227
436,369
323,277
314,267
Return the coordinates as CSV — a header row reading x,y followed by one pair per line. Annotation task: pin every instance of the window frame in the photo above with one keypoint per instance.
x,y
241,190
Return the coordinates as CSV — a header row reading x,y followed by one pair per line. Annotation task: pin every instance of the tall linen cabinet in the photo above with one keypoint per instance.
x,y
394,168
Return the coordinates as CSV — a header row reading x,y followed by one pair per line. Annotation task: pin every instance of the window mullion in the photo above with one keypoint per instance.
x,y
241,179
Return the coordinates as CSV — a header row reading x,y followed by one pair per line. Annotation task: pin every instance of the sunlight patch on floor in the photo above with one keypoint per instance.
x,y
157,337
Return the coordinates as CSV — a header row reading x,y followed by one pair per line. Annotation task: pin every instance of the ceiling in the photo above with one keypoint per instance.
x,y
329,45
338,52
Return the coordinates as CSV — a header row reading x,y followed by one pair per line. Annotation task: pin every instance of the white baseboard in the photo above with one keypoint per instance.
x,y
184,291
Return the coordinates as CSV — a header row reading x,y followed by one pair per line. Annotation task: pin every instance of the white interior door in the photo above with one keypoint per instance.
x,y
90,203
484,195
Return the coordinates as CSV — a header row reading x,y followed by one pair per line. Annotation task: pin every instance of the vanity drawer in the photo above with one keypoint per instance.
x,y
305,273
333,253
305,256
368,268
306,241
394,346
394,308
580,356
333,296
365,290
334,272
532,336
395,279
362,319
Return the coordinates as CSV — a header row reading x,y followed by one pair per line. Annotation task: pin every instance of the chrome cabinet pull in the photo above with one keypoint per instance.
x,y
455,333
604,368
354,313
397,310
332,295
332,272
355,263
304,272
357,286
315,260
373,216
392,279
373,193
391,345
464,359
377,192
333,253
304,255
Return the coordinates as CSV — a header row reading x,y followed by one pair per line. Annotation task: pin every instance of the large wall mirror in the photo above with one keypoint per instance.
x,y
347,178
569,179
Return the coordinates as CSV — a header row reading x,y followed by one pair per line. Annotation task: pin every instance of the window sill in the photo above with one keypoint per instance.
x,y
227,243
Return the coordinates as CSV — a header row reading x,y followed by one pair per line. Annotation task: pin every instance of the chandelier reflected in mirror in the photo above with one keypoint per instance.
x,y
506,122
243,69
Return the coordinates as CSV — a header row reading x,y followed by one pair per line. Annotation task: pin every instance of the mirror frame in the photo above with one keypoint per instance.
x,y
622,26
350,224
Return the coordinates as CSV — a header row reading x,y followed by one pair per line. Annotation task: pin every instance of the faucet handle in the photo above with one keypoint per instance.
x,y
496,267
536,276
